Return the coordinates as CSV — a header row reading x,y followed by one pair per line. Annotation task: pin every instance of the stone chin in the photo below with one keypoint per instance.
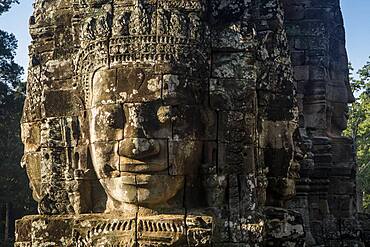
x,y
339,124
342,123
152,191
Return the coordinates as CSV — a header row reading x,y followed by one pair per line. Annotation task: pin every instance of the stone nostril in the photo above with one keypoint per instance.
x,y
109,171
107,168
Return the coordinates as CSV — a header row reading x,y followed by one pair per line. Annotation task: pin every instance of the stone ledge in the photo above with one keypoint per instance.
x,y
114,230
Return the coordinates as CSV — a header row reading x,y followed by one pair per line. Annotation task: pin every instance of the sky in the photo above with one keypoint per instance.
x,y
356,17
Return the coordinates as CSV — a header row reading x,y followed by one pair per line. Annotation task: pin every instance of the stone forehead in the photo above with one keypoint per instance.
x,y
143,84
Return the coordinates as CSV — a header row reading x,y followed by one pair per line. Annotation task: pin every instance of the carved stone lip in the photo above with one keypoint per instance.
x,y
135,179
146,167
123,179
131,179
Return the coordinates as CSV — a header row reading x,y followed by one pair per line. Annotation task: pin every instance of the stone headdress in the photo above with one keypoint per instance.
x,y
140,33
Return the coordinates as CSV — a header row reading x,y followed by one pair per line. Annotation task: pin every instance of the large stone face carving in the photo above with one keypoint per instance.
x,y
163,123
147,112
131,140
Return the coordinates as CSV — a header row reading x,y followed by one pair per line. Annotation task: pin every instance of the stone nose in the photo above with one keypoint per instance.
x,y
136,144
135,121
139,148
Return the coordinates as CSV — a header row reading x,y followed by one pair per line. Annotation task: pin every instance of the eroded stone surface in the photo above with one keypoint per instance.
x,y
187,118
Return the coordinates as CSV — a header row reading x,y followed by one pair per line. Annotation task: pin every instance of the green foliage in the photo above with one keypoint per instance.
x,y
11,86
11,97
359,127
5,5
13,180
10,72
366,202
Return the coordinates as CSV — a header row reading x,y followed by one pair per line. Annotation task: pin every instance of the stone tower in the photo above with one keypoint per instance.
x,y
174,123
328,181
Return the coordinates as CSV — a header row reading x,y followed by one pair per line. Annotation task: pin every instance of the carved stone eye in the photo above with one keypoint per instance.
x,y
112,118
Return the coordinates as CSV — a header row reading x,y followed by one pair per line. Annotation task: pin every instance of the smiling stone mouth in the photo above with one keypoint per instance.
x,y
134,169
143,167
132,178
